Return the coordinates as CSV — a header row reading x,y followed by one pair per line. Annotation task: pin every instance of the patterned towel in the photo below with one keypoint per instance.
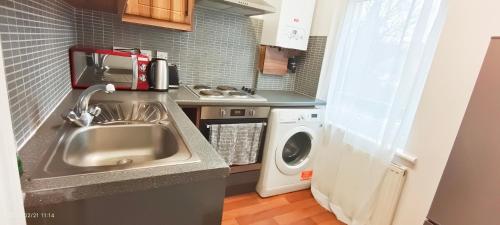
x,y
238,144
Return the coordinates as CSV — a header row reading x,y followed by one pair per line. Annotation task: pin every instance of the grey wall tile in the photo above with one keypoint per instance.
x,y
305,80
309,66
274,82
36,36
220,51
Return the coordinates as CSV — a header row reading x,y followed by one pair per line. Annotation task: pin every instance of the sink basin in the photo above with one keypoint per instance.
x,y
120,145
125,136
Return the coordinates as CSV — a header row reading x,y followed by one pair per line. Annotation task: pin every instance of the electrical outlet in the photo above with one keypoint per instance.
x,y
149,53
162,55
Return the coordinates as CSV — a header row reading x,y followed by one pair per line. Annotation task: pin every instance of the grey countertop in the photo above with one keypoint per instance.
x,y
41,191
185,97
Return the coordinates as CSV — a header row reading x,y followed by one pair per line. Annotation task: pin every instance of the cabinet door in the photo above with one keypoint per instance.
x,y
145,8
139,7
179,10
161,9
132,7
173,14
468,191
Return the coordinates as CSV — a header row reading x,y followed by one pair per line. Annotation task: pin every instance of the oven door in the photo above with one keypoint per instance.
x,y
243,178
205,130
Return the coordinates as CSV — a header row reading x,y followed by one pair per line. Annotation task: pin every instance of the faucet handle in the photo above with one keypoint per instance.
x,y
95,111
110,88
70,114
72,117
85,119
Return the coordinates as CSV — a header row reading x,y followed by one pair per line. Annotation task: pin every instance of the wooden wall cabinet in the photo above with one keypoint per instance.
x,y
171,14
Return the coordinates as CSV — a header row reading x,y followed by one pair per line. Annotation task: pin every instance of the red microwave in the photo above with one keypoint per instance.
x,y
126,68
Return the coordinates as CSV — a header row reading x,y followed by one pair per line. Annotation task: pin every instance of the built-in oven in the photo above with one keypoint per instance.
x,y
238,135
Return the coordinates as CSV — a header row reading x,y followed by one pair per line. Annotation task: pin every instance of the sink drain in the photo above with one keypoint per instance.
x,y
123,162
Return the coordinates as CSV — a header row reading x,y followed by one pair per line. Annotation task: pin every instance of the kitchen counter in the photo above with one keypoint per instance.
x,y
53,190
185,97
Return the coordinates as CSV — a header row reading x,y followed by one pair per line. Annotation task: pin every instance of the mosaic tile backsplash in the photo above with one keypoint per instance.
x,y
35,38
36,35
305,80
309,66
220,51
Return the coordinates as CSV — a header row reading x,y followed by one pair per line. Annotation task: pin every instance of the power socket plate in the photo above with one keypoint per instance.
x,y
162,55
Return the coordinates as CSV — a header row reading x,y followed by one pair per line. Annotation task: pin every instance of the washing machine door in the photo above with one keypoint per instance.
x,y
295,150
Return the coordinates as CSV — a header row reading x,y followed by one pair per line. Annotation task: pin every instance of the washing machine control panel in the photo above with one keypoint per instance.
x,y
299,117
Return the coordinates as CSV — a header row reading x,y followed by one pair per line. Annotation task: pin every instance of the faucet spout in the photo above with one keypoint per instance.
x,y
82,104
81,115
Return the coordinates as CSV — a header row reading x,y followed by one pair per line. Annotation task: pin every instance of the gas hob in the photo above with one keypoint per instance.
x,y
225,93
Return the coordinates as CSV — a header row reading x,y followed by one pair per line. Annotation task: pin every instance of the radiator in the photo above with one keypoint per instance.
x,y
390,191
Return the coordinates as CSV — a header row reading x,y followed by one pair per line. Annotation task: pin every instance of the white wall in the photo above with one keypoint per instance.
x,y
325,10
457,62
11,200
337,12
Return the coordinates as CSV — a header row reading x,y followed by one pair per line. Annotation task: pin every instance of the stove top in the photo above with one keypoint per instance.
x,y
225,93
213,93
200,87
226,88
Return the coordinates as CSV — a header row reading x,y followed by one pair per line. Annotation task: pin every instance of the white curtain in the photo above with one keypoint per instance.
x,y
383,55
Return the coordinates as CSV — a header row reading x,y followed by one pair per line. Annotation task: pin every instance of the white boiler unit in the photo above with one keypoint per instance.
x,y
290,26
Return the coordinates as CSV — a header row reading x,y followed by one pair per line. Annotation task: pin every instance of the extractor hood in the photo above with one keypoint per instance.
x,y
240,7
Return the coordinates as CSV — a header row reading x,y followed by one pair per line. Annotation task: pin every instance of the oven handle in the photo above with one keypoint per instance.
x,y
263,124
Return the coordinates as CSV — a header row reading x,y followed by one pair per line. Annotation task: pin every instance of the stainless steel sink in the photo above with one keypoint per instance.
x,y
125,136
121,144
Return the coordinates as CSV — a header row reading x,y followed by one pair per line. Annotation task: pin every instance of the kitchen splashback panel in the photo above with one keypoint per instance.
x,y
35,39
220,50
273,82
309,66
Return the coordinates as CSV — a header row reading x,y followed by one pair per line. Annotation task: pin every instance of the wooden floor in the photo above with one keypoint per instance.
x,y
297,208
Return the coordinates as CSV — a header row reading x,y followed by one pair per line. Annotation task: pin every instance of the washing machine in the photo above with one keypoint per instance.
x,y
291,141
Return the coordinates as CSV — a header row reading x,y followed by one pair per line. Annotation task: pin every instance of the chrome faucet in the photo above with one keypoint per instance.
x,y
82,115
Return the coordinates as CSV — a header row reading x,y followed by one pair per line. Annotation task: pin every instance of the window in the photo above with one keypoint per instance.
x,y
380,66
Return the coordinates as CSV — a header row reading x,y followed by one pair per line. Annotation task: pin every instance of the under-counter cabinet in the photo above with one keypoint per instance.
x,y
186,203
172,14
